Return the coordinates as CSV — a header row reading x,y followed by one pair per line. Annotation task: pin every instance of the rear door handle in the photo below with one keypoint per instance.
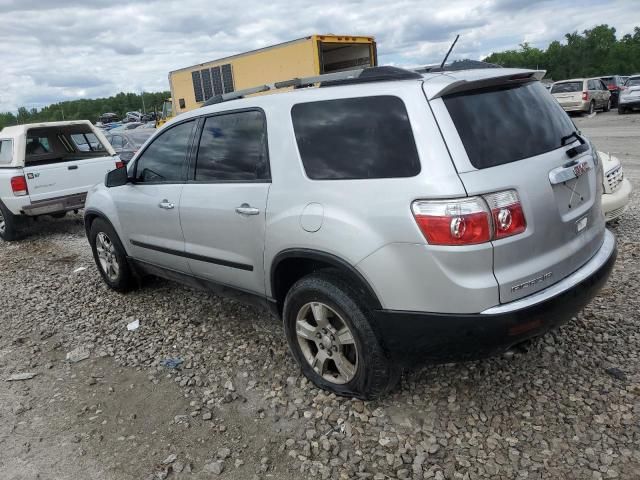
x,y
246,209
72,167
166,204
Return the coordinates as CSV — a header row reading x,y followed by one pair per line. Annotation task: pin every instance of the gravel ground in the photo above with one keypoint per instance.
x,y
566,406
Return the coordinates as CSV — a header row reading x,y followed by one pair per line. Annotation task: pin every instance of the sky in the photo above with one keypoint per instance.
x,y
56,50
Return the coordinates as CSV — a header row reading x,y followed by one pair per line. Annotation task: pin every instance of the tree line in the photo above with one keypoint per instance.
x,y
86,109
592,53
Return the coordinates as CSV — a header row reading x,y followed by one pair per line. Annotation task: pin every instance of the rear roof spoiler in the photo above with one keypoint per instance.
x,y
458,86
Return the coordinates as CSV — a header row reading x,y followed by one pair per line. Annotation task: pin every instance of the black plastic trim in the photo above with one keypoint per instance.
x,y
193,256
318,255
143,267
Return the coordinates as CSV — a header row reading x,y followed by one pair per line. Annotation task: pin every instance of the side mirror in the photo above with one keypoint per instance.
x,y
117,177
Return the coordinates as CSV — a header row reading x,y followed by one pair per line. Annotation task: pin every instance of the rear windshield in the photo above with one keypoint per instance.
x,y
355,138
567,87
506,124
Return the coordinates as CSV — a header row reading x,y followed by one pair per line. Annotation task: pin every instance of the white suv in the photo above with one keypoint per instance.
x,y
385,216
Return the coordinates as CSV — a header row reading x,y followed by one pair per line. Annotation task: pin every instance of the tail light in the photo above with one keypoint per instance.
x,y
453,222
119,164
585,96
469,221
19,186
507,214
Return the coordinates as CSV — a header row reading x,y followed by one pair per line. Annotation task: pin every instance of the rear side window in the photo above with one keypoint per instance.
x,y
355,138
5,152
164,160
503,125
567,87
233,147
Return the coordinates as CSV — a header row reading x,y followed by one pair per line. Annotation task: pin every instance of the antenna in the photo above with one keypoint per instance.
x,y
449,52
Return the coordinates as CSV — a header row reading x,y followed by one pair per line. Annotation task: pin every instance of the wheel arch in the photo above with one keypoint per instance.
x,y
290,265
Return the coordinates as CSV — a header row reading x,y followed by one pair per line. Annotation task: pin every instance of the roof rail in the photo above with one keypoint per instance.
x,y
371,74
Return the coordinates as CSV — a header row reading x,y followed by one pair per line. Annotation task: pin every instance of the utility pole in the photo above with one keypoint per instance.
x,y
143,109
62,110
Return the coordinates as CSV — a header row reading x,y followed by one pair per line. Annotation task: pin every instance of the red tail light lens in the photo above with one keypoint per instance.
x,y
470,221
453,222
19,186
119,164
506,212
585,96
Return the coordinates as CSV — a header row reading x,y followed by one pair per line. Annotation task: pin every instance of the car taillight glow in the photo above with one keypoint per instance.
x,y
19,186
453,222
506,212
585,96
470,221
119,164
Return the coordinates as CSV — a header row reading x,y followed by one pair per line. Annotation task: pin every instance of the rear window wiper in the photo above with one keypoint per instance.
x,y
572,152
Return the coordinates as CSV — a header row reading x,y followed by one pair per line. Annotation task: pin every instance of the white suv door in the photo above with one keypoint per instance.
x,y
148,207
223,204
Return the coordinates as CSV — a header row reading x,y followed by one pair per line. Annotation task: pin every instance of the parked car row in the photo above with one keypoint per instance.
x,y
363,283
590,94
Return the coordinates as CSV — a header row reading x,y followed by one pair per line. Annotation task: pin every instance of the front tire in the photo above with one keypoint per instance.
x,y
325,322
621,110
8,224
607,107
110,256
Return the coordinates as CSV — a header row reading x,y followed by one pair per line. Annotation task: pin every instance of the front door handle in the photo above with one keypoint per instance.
x,y
246,209
166,204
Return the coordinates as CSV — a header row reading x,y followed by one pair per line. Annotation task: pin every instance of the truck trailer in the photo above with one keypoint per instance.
x,y
304,57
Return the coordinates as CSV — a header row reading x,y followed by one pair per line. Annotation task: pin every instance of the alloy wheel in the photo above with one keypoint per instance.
x,y
3,223
107,256
327,343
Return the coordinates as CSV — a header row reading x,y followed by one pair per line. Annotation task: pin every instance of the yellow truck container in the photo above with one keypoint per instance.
x,y
304,57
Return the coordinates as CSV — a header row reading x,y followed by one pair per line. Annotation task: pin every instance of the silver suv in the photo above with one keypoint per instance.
x,y
386,217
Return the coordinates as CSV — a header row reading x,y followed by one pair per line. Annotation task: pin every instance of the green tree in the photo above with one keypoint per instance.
x,y
595,51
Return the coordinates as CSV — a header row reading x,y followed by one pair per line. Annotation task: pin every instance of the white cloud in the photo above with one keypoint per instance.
x,y
53,51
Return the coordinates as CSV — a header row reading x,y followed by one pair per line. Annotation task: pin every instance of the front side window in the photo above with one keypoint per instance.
x,y
164,160
355,138
233,147
6,153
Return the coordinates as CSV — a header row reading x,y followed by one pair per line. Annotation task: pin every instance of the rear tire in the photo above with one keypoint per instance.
x,y
592,107
621,110
110,256
8,224
325,322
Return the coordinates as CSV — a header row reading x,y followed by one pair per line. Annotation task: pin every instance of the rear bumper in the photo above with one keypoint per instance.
x,y
55,205
412,336
630,103
572,107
